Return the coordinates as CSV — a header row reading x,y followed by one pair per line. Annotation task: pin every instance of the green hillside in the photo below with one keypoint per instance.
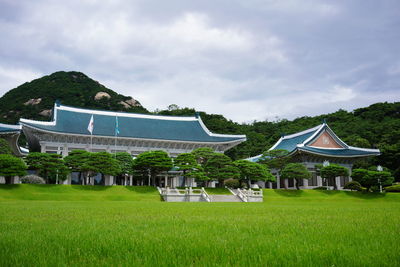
x,y
71,88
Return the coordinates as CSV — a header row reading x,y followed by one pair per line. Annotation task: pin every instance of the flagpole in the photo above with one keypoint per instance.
x,y
116,135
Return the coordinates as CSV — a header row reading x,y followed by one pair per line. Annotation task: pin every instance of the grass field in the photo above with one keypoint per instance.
x,y
75,226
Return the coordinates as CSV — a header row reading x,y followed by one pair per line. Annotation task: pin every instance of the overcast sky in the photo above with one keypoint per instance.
x,y
246,59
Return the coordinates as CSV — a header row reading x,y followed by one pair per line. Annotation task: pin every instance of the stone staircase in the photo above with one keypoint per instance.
x,y
225,198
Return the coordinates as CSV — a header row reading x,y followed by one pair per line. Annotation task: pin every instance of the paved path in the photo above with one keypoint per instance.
x,y
225,198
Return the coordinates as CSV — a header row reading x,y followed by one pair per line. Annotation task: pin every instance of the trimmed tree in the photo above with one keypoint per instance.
x,y
276,159
253,171
11,166
369,178
295,171
203,154
220,167
152,163
103,163
332,171
75,161
125,162
186,162
50,166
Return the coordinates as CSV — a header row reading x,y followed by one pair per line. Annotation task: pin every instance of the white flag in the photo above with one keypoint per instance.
x,y
91,125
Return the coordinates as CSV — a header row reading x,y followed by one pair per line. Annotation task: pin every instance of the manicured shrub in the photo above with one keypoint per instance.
x,y
232,183
32,179
393,188
353,185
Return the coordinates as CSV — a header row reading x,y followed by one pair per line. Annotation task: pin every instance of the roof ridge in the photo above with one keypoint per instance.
x,y
125,114
302,132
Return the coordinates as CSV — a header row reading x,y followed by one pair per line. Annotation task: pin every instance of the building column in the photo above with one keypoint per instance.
x,y
319,181
130,180
286,183
42,147
305,183
166,181
337,182
270,185
278,182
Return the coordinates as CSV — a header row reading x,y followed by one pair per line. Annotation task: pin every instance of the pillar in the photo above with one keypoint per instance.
x,y
278,182
319,181
130,180
305,183
270,185
337,181
286,183
166,181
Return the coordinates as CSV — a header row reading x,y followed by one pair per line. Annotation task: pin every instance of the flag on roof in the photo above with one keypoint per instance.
x,y
116,126
91,125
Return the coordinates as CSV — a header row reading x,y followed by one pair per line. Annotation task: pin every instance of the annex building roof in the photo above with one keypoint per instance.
x,y
75,121
319,140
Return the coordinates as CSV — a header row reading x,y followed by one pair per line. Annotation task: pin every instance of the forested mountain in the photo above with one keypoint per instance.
x,y
376,126
35,99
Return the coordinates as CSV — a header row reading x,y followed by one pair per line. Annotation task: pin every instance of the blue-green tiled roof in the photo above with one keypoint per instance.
x,y
291,143
345,152
75,121
297,142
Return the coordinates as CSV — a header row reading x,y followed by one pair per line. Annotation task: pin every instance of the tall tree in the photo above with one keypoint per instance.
x,y
220,167
295,171
153,163
11,166
276,159
332,171
368,178
125,162
49,166
203,154
252,171
186,162
76,160
103,163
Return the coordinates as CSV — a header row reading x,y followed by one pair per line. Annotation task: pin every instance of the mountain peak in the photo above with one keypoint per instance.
x,y
34,99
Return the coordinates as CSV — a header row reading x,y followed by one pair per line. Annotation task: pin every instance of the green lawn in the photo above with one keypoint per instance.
x,y
76,226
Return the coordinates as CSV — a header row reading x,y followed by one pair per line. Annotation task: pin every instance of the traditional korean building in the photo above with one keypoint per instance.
x,y
122,132
316,146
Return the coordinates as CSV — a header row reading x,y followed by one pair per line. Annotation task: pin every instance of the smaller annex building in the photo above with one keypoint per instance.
x,y
121,132
316,146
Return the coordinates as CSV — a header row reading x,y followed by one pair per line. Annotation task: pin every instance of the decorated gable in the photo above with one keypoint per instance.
x,y
325,140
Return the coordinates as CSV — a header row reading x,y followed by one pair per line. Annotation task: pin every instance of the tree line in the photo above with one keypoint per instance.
x,y
202,164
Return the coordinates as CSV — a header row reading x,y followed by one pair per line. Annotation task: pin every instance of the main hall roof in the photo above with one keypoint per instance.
x,y
71,120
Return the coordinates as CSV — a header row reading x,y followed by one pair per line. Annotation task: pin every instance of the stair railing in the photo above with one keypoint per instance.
x,y
205,195
242,194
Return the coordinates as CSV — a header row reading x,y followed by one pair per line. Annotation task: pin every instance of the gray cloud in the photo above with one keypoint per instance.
x,y
248,60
